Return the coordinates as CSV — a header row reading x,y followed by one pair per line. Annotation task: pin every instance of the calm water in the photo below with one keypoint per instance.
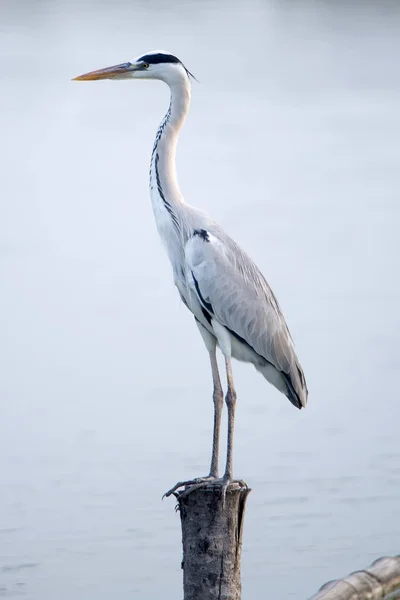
x,y
293,145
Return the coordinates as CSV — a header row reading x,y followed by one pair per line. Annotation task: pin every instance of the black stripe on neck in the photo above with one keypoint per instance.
x,y
161,192
160,130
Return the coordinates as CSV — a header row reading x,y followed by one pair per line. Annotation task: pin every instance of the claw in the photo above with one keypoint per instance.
x,y
185,493
198,482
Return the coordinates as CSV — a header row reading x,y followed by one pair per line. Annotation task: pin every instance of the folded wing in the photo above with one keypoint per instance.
x,y
232,290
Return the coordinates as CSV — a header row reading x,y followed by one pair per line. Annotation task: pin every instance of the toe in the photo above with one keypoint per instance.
x,y
198,481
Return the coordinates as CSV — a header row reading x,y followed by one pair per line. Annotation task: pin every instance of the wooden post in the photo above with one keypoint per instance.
x,y
375,582
212,541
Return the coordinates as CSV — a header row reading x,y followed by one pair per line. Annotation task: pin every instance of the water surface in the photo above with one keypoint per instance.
x,y
105,390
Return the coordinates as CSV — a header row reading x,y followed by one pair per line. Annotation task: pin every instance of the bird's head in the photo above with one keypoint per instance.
x,y
153,65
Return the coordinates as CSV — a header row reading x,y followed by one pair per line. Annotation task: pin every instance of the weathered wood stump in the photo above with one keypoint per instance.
x,y
374,583
212,541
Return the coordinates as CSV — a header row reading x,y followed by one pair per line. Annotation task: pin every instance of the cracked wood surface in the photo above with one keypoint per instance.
x,y
212,542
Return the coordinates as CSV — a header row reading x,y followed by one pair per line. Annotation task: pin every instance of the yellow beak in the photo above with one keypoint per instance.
x,y
115,72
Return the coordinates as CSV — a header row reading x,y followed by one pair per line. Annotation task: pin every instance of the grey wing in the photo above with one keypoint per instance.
x,y
233,291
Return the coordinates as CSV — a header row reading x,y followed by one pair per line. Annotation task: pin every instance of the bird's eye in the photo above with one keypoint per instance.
x,y
145,65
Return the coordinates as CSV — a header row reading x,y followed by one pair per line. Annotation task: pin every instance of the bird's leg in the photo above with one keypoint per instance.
x,y
224,481
218,399
230,400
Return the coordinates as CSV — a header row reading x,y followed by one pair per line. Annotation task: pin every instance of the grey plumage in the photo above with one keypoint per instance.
x,y
239,297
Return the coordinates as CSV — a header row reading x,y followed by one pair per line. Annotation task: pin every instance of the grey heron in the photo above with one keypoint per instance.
x,y
232,303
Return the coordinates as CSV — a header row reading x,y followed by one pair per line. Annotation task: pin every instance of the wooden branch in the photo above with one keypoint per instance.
x,y
212,542
374,583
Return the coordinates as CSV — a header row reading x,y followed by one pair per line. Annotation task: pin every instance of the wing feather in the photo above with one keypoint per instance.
x,y
241,300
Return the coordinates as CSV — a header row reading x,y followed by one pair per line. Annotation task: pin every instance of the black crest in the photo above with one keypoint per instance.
x,y
155,59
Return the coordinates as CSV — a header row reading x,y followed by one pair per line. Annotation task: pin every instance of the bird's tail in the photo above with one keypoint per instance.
x,y
292,384
296,385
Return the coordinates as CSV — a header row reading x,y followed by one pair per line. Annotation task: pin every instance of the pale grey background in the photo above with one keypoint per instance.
x,y
292,144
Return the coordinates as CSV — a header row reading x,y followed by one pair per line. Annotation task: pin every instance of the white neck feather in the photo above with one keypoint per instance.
x,y
164,190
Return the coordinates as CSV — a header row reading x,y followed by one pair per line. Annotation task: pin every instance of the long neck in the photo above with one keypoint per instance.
x,y
164,189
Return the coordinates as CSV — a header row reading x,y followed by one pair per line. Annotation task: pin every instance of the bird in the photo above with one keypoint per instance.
x,y
233,306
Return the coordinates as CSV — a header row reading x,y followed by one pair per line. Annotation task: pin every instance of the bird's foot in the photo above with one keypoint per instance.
x,y
200,482
190,483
